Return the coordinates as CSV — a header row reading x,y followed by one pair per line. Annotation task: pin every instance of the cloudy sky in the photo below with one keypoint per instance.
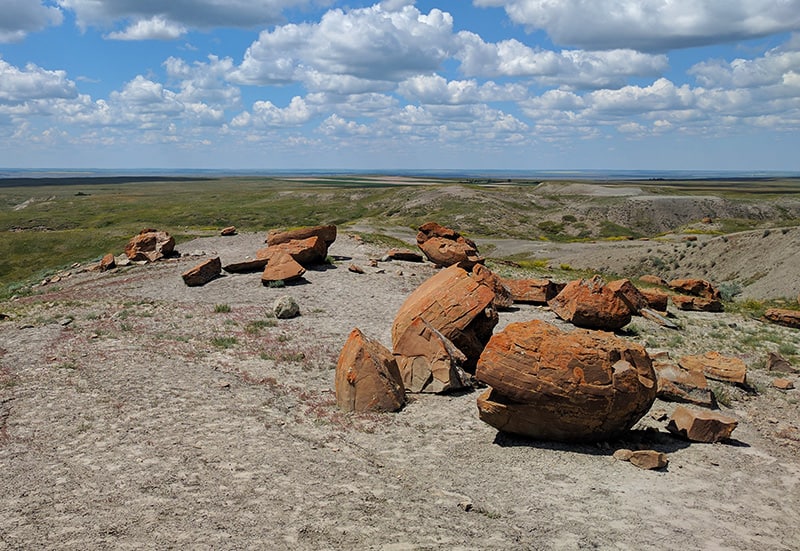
x,y
460,84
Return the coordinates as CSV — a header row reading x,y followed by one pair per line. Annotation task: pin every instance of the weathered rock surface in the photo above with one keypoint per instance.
x,y
485,276
150,245
591,304
404,254
202,273
716,366
326,233
246,266
701,426
455,305
446,247
307,252
676,384
653,280
108,262
531,291
656,299
226,232
783,383
648,459
551,385
428,361
696,304
782,316
776,362
367,377
281,267
629,294
695,287
285,307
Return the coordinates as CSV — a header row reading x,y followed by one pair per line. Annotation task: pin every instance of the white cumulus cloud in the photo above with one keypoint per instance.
x,y
33,83
20,17
155,28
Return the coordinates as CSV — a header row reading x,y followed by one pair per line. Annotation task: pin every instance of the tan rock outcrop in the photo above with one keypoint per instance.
x,y
716,366
428,361
150,245
701,426
281,267
551,385
531,291
326,233
446,247
202,273
455,305
591,304
782,316
696,304
485,276
367,377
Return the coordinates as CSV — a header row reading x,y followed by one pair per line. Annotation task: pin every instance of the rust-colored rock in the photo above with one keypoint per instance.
x,y
485,276
649,459
404,254
531,291
782,316
107,263
696,304
701,426
226,232
202,273
367,378
281,267
150,245
716,366
783,384
676,384
695,287
656,300
326,233
550,385
629,294
591,304
428,361
454,304
307,252
446,247
355,268
653,280
246,266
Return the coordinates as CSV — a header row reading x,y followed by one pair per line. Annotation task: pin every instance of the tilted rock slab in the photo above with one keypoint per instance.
x,y
676,384
550,385
701,426
782,316
202,273
428,361
326,233
367,377
716,366
657,300
454,304
485,276
446,247
695,287
150,245
531,291
696,304
591,304
404,254
629,294
281,267
307,252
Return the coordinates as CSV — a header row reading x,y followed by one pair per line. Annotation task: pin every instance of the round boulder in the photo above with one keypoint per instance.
x,y
286,307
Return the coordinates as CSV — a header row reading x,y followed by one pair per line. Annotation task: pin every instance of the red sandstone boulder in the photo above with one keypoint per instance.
x,y
716,366
226,232
404,254
701,426
655,299
653,280
107,263
326,233
484,276
551,385
428,361
695,287
281,267
454,304
446,247
676,384
629,294
202,273
150,245
307,252
696,304
781,316
531,291
367,378
246,266
591,304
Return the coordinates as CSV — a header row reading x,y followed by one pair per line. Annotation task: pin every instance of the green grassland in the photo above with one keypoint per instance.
x,y
49,224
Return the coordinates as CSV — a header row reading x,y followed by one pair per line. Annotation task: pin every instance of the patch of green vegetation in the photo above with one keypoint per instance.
x,y
384,240
224,342
609,230
254,327
222,308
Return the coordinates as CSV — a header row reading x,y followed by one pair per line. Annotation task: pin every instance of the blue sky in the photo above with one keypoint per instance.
x,y
392,84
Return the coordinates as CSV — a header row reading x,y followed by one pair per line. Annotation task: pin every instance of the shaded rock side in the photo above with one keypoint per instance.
x,y
281,267
454,304
676,384
404,254
531,291
591,304
551,385
696,304
285,307
246,266
326,233
428,361
656,300
629,294
716,366
202,273
108,262
695,287
782,316
701,426
446,247
367,377
150,245
485,276
307,252
227,232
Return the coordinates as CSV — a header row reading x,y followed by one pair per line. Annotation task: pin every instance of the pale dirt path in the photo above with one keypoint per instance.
x,y
128,429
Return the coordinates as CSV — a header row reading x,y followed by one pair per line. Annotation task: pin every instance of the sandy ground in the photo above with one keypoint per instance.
x,y
126,423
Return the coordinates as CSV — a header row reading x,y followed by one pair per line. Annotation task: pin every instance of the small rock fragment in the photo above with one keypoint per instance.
x,y
649,459
701,426
623,454
230,230
355,268
286,307
783,384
